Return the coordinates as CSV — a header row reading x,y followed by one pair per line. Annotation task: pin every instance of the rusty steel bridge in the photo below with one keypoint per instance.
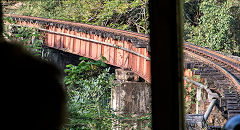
x,y
124,49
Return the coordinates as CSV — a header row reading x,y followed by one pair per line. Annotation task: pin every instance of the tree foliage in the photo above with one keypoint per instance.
x,y
131,15
212,23
29,37
88,89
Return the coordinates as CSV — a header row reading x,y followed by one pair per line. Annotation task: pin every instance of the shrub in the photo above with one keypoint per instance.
x,y
89,90
210,23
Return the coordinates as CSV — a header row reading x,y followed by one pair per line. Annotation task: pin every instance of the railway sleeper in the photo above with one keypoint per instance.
x,y
236,74
220,89
192,64
199,65
209,70
233,104
232,107
229,91
232,113
229,111
231,94
215,77
224,101
224,89
230,97
204,67
220,83
210,73
237,77
220,77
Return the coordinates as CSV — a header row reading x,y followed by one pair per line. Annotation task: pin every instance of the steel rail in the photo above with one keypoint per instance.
x,y
212,52
134,34
87,39
224,71
217,57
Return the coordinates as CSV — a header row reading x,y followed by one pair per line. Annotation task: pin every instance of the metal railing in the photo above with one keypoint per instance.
x,y
213,98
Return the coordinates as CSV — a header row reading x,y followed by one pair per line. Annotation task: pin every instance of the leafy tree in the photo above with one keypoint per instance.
x,y
29,37
89,90
131,15
210,23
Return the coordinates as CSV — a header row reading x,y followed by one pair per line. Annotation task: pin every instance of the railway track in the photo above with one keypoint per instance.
x,y
124,49
227,77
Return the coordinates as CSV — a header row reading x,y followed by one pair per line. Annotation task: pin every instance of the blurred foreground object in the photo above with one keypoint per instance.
x,y
233,123
32,92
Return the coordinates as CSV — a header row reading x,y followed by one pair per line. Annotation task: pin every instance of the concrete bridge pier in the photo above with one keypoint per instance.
x,y
131,99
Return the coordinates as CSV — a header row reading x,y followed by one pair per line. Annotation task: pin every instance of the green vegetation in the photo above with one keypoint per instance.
x,y
190,95
213,24
209,23
131,15
29,37
89,90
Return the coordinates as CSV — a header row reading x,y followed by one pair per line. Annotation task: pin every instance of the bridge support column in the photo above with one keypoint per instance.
x,y
131,99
